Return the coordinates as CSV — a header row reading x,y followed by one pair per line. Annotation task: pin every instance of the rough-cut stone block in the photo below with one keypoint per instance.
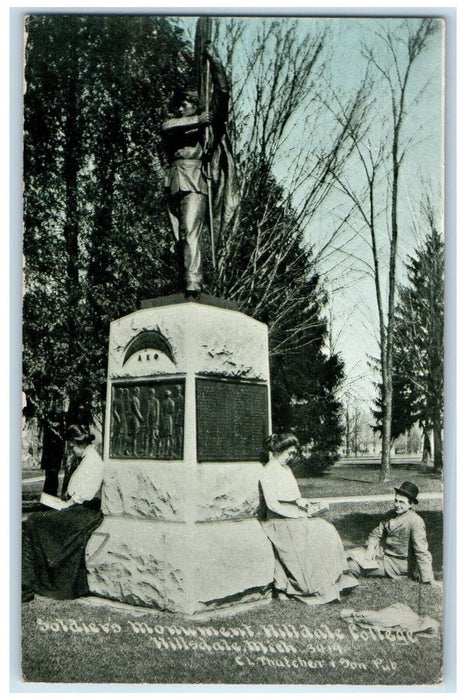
x,y
179,492
179,567
141,562
227,491
147,490
230,557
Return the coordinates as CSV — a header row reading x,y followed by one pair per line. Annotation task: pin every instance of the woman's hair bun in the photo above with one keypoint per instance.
x,y
79,434
278,442
270,442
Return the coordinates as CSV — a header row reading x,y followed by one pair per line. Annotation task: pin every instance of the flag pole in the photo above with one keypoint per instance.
x,y
204,80
209,175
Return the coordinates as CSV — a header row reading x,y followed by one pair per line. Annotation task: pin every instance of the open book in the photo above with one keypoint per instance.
x,y
360,556
53,501
316,508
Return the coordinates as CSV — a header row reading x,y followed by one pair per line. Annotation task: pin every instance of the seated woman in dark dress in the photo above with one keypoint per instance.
x,y
310,561
54,541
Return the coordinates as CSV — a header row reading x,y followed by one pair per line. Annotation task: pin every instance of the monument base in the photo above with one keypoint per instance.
x,y
210,613
188,411
180,567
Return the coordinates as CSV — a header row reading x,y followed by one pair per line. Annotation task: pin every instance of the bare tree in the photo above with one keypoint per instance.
x,y
356,425
288,148
379,154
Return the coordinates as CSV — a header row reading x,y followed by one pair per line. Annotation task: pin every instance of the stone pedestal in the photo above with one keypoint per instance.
x,y
188,402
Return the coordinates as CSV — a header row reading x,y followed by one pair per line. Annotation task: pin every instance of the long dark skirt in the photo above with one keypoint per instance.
x,y
54,544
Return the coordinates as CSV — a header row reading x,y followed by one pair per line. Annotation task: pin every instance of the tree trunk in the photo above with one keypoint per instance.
x,y
385,468
438,447
387,375
387,391
426,449
347,433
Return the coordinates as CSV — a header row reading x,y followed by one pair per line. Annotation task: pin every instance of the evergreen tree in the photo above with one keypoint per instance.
x,y
418,346
419,338
270,272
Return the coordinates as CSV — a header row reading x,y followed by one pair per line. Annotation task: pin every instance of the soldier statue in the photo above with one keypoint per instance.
x,y
200,179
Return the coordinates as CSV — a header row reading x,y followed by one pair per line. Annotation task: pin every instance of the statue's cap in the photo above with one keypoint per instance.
x,y
191,94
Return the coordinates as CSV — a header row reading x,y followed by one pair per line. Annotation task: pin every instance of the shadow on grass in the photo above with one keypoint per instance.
x,y
355,527
351,478
418,467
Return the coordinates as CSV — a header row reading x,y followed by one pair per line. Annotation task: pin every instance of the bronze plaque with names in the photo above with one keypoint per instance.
x,y
232,420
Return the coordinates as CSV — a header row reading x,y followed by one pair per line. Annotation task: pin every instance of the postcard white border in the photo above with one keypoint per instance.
x,y
12,264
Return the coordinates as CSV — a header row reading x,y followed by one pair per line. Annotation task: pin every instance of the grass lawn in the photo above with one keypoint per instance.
x,y
106,644
363,479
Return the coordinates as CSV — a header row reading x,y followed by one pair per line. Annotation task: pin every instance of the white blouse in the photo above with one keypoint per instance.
x,y
280,490
86,481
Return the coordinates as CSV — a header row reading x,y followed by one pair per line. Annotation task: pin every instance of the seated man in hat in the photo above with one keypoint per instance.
x,y
397,547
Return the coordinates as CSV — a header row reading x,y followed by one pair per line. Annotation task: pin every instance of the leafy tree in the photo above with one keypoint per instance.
x,y
52,146
136,64
92,173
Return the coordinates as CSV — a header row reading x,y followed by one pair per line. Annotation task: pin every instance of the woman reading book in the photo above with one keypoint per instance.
x,y
310,562
54,541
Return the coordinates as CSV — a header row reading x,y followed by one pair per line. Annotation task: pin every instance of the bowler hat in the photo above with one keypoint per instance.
x,y
408,489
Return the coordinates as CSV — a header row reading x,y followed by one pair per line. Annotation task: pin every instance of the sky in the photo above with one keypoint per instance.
x,y
344,268
355,305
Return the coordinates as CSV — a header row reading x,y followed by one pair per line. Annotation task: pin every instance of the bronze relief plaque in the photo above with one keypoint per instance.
x,y
147,420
